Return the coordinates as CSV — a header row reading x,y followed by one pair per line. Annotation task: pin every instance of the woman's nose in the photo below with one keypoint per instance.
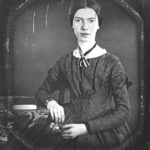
x,y
84,26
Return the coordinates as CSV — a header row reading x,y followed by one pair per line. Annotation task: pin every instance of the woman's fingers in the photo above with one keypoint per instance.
x,y
57,114
52,113
67,131
56,111
67,126
62,115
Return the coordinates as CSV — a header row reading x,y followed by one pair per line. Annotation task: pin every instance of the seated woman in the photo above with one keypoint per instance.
x,y
96,117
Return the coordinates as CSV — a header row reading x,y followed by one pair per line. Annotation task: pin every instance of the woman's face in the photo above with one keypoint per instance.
x,y
85,25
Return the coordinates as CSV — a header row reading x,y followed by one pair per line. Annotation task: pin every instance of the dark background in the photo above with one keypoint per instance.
x,y
141,6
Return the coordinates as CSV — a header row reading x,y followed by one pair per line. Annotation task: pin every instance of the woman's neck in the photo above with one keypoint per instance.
x,y
85,46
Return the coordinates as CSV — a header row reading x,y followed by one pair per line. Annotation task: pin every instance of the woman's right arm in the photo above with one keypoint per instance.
x,y
48,86
54,81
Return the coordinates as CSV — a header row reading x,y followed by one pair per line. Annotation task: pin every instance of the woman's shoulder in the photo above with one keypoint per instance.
x,y
112,61
112,57
115,62
65,58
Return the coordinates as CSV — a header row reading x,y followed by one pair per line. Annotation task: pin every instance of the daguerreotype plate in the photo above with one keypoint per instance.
x,y
39,33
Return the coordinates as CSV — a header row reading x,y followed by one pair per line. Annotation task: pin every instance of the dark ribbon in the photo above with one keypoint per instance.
x,y
83,60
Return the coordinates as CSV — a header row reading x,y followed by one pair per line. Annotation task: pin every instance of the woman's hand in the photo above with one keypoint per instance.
x,y
56,111
71,131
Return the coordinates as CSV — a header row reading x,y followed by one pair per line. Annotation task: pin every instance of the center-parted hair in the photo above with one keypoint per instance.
x,y
79,4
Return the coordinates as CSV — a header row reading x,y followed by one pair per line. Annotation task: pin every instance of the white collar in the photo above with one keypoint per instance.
x,y
96,52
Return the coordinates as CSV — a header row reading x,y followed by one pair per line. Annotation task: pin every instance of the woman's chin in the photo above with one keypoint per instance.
x,y
85,39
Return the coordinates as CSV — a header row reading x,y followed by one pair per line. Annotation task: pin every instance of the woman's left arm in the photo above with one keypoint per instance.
x,y
120,114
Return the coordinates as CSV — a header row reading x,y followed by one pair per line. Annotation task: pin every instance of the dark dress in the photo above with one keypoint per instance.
x,y
98,97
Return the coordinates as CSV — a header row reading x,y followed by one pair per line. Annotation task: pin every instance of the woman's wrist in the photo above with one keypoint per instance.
x,y
84,129
87,127
48,100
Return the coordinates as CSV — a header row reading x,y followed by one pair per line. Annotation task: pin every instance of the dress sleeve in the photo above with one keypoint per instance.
x,y
118,116
54,81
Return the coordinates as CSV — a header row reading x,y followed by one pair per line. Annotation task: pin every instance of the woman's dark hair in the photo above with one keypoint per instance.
x,y
79,4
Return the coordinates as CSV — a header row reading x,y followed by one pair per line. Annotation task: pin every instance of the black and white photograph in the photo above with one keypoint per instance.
x,y
74,74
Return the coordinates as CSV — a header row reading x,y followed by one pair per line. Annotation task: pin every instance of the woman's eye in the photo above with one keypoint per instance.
x,y
91,20
77,20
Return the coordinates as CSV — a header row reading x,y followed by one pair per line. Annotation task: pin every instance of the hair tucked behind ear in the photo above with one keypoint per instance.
x,y
79,4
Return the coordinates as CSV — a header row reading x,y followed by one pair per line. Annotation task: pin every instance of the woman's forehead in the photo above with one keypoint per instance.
x,y
85,13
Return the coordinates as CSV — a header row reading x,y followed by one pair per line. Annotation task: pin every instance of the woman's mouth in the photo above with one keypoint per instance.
x,y
84,34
